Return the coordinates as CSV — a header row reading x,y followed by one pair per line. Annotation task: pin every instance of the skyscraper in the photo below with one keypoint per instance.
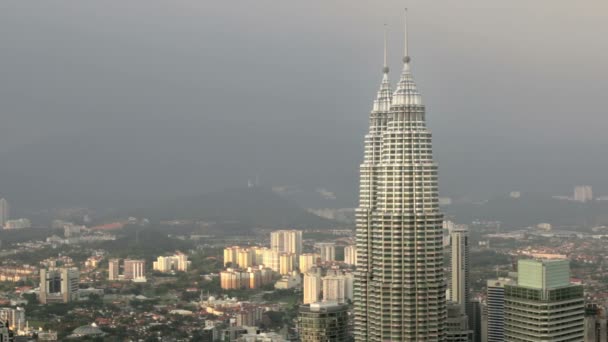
x,y
459,284
544,305
326,322
4,212
495,308
399,287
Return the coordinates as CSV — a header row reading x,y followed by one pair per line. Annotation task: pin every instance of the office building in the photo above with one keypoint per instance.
x,y
544,305
327,251
457,324
399,287
286,241
350,255
495,308
58,284
326,322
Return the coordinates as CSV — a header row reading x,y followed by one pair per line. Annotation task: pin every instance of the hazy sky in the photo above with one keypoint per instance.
x,y
116,99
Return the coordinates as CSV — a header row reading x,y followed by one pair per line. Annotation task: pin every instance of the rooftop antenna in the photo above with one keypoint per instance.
x,y
406,56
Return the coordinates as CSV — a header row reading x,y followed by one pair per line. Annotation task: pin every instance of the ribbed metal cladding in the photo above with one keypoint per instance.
x,y
399,282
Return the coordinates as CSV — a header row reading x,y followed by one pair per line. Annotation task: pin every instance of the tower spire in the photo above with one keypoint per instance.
x,y
385,67
406,56
382,103
406,92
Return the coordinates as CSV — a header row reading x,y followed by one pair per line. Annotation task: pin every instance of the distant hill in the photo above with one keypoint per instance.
x,y
530,210
240,208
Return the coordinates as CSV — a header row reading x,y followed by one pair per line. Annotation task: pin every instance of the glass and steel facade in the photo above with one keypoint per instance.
x,y
323,322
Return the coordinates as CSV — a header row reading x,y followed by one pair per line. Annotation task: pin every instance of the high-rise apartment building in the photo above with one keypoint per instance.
x,y
6,334
58,285
308,261
287,263
177,262
4,212
113,269
135,270
350,255
286,241
312,287
327,251
544,305
338,288
272,260
230,255
326,322
399,287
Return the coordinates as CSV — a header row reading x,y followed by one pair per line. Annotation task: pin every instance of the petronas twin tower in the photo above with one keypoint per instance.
x,y
399,282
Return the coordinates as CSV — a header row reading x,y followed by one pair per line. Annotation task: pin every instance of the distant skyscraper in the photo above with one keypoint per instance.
x,y
58,285
113,269
350,255
400,286
4,212
312,287
327,322
544,305
327,250
286,241
495,308
459,292
583,193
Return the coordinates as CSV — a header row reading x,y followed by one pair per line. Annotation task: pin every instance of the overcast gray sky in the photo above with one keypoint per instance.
x,y
102,99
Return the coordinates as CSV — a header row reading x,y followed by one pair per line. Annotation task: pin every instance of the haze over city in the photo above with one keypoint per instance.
x,y
108,102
